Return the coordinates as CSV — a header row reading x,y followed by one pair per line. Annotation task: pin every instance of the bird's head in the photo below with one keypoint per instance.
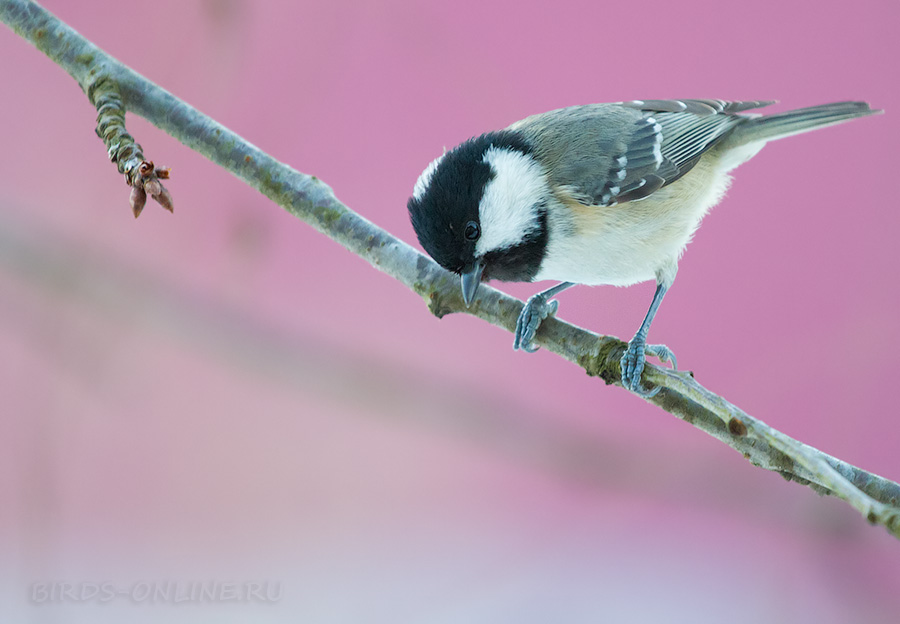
x,y
480,210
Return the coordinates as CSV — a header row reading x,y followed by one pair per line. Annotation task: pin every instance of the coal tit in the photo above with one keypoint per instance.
x,y
594,194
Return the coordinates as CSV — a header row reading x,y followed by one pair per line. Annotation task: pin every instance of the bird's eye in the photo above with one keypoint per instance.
x,y
472,231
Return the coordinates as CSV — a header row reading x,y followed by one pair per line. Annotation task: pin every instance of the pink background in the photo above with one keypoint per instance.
x,y
224,394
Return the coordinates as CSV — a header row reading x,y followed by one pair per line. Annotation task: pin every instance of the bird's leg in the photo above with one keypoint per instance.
x,y
633,360
537,308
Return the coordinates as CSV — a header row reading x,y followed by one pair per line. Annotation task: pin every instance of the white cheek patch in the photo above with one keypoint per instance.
x,y
508,209
425,179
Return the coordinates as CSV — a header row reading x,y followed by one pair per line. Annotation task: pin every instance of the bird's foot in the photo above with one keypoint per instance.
x,y
536,309
632,364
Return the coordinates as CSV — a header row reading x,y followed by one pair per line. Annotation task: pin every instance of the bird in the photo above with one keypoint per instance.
x,y
594,194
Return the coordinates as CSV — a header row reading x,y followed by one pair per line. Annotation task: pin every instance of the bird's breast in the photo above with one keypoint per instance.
x,y
632,242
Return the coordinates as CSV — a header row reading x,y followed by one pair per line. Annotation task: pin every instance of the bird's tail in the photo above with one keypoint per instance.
x,y
770,127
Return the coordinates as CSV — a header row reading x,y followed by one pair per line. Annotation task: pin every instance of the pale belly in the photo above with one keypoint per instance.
x,y
636,241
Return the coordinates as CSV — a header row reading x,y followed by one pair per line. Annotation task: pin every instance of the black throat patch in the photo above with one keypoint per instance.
x,y
522,262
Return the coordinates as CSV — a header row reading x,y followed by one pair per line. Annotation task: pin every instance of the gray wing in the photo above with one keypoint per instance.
x,y
606,154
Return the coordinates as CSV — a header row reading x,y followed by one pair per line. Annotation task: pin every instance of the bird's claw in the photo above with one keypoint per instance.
x,y
663,354
632,365
536,309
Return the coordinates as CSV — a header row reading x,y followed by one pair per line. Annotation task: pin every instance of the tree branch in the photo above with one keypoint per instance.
x,y
306,197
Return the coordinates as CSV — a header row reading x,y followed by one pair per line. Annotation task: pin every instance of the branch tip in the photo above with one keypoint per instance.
x,y
122,150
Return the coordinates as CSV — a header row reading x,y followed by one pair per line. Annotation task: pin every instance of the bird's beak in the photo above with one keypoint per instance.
x,y
470,280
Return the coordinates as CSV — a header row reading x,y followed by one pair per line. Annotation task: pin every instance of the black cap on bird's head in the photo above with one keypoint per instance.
x,y
445,210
